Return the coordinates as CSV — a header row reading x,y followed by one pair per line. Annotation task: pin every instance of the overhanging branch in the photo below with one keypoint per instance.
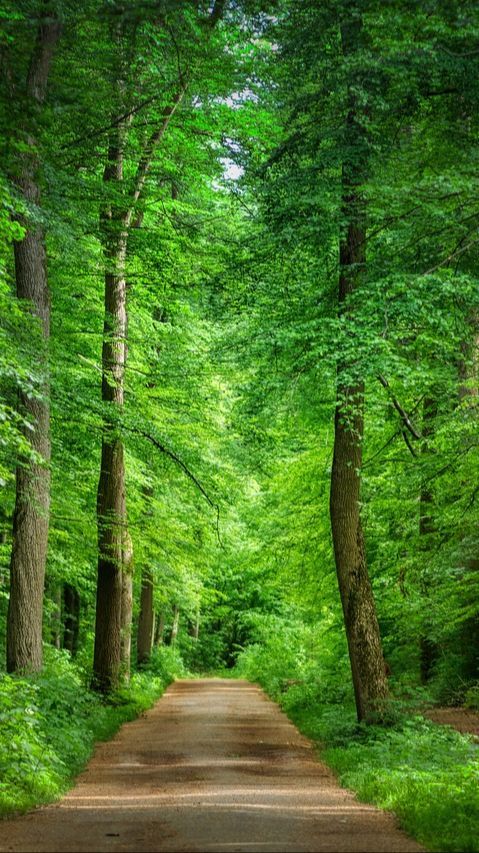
x,y
408,424
176,459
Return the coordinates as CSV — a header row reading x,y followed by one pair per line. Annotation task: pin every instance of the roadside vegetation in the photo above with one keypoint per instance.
x,y
239,378
427,774
49,724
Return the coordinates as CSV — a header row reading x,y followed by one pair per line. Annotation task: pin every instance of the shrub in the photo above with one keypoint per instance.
x,y
49,724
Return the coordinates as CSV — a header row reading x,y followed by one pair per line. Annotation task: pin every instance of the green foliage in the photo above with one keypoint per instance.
x,y
234,341
31,770
297,663
50,723
426,774
166,663
472,697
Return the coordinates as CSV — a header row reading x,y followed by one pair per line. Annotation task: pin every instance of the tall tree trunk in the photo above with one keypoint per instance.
x,y
195,627
111,498
428,650
159,628
71,618
175,625
145,621
126,605
362,629
54,592
32,501
146,617
116,222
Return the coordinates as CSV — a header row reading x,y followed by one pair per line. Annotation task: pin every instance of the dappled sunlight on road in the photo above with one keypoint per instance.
x,y
215,766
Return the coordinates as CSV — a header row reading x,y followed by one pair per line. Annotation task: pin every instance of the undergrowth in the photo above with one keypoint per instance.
x,y
428,775
49,724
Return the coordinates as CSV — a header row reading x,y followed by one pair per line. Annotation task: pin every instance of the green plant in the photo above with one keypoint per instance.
x,y
472,697
426,774
166,663
49,724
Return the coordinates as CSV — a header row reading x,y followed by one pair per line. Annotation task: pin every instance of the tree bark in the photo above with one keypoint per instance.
x,y
32,501
126,605
54,592
159,628
175,625
195,628
145,621
111,497
362,629
71,618
116,222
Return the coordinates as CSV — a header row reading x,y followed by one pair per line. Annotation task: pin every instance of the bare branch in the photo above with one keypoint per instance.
x,y
184,468
408,443
400,410
149,152
116,121
457,251
384,446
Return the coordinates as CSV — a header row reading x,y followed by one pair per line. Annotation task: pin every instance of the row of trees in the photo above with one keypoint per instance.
x,y
218,373
114,131
368,198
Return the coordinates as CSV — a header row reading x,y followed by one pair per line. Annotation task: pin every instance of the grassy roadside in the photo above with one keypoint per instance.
x,y
50,723
428,775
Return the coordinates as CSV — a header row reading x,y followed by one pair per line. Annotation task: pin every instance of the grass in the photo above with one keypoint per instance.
x,y
50,723
428,775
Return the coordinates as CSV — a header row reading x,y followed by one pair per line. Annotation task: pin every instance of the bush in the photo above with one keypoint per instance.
x,y
297,664
427,774
206,654
472,697
166,663
30,769
49,724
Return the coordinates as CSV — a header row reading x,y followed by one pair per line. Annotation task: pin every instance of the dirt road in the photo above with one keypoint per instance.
x,y
461,719
215,766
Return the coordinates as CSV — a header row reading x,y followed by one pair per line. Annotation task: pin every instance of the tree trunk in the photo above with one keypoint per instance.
x,y
116,222
159,628
111,499
126,605
32,501
54,592
175,625
145,621
362,629
71,618
195,628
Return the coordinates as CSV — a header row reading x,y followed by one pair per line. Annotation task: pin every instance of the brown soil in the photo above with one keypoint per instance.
x,y
462,719
214,766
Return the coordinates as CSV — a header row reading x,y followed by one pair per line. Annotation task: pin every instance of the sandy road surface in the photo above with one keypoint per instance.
x,y
462,719
214,766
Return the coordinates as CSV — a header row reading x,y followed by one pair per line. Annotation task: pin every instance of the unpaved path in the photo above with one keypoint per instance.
x,y
214,766
462,719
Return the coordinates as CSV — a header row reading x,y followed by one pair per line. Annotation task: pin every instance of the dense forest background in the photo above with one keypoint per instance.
x,y
239,320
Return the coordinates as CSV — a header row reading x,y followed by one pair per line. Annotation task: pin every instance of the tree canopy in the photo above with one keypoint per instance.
x,y
238,320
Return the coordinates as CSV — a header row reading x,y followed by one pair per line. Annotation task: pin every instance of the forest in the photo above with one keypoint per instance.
x,y
239,380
